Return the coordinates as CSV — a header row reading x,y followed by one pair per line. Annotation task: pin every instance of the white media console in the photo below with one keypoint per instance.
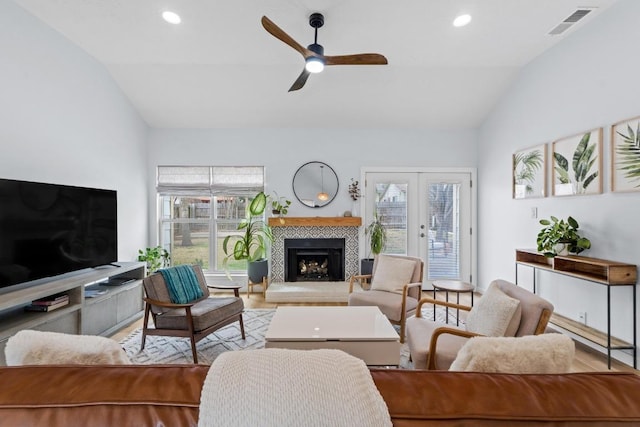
x,y
104,314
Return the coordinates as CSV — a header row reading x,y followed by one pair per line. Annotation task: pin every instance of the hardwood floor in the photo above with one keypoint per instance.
x,y
586,358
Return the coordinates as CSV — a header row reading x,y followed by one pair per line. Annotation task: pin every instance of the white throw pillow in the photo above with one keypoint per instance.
x,y
533,354
493,313
392,273
31,347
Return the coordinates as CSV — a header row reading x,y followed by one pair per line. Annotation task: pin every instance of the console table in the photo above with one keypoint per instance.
x,y
603,272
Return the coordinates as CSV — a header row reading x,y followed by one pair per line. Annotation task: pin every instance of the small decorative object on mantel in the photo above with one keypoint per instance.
x,y
354,190
560,237
279,205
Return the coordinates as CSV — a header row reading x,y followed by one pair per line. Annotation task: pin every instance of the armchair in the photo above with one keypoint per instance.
x,y
193,319
395,288
504,310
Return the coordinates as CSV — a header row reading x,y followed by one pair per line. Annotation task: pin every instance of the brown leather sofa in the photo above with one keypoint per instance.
x,y
169,395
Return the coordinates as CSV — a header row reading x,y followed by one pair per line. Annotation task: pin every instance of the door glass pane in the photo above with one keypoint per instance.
x,y
444,231
391,206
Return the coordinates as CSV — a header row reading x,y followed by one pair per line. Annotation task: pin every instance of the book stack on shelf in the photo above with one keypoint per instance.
x,y
49,303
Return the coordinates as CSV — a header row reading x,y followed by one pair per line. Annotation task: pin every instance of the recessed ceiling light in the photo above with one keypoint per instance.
x,y
171,17
462,20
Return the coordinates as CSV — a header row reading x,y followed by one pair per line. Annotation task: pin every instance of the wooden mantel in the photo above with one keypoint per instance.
x,y
316,221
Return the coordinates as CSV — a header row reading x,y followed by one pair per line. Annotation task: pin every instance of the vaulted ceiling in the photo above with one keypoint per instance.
x,y
219,68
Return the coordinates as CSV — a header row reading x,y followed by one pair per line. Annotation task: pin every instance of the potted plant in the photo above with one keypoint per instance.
x,y
251,245
279,205
156,258
377,234
560,237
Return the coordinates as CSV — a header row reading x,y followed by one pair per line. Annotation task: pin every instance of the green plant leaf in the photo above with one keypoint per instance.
x,y
258,204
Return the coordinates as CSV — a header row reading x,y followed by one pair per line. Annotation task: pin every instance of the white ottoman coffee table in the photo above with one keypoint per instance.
x,y
363,332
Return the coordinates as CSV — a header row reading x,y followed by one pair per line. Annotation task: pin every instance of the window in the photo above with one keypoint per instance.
x,y
200,206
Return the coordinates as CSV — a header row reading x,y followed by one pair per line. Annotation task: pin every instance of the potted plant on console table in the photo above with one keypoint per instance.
x,y
377,240
251,245
560,237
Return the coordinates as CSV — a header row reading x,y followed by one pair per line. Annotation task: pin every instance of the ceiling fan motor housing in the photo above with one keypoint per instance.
x,y
316,20
316,48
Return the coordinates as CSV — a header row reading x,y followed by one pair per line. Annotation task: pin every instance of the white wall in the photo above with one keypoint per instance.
x,y
283,151
63,120
588,80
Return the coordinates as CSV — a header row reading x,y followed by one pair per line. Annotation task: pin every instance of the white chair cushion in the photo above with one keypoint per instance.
x,y
495,314
419,331
533,354
392,273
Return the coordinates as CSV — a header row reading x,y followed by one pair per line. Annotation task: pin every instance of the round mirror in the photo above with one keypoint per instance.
x,y
315,184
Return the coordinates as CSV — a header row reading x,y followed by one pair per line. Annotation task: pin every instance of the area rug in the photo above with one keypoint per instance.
x,y
172,350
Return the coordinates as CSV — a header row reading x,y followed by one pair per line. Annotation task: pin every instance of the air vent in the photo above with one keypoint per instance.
x,y
571,20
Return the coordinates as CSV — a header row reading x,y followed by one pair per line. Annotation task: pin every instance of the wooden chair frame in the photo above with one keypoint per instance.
x,y
405,292
190,332
433,343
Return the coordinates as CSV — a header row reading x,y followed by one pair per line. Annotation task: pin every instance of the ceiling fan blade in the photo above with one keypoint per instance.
x,y
300,81
358,59
278,33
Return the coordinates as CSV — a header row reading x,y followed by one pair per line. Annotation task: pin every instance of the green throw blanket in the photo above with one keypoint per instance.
x,y
182,284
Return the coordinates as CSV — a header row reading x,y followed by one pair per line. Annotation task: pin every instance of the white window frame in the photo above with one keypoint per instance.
x,y
204,181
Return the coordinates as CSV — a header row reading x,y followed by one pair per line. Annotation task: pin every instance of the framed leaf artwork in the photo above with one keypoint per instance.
x,y
529,177
625,155
577,164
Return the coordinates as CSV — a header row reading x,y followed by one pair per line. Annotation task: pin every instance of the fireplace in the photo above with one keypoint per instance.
x,y
314,260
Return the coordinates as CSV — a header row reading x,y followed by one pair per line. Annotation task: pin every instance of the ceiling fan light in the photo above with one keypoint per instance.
x,y
314,65
171,17
462,20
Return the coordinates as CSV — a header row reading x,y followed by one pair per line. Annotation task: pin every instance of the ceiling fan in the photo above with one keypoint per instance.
x,y
314,57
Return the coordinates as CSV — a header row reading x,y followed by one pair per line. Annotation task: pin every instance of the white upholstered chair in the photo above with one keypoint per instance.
x,y
395,288
504,310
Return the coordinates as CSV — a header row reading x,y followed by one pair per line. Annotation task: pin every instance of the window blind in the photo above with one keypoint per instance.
x,y
209,180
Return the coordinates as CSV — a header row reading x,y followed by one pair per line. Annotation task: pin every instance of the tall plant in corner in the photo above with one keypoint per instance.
x,y
583,159
629,150
377,235
251,244
376,232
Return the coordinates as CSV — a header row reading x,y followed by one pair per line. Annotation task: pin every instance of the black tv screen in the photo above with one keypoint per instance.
x,y
47,230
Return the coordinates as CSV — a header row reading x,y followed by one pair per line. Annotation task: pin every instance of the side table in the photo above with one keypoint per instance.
x,y
456,286
236,288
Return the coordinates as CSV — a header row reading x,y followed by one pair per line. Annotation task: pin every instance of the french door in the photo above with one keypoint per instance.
x,y
428,214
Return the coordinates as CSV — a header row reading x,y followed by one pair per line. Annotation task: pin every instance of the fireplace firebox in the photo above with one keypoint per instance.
x,y
314,260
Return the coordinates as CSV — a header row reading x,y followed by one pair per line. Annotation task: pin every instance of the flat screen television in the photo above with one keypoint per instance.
x,y
48,229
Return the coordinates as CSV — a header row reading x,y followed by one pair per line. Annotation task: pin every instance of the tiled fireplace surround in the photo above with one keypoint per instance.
x,y
313,229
